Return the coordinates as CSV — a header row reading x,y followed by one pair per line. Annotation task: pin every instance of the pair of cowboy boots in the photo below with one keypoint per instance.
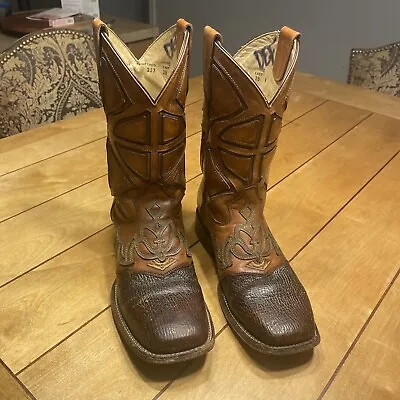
x,y
157,303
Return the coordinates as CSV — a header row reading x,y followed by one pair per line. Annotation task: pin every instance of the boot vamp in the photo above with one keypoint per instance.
x,y
273,307
165,313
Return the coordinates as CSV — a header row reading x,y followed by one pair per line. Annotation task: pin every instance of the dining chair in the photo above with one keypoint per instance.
x,y
376,68
47,76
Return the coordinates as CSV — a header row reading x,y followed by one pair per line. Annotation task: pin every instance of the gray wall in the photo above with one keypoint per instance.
x,y
329,28
132,9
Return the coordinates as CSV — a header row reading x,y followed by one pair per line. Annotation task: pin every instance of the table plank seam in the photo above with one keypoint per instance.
x,y
193,134
54,256
305,113
63,340
38,369
52,198
188,364
194,102
189,180
25,389
53,156
346,204
306,244
101,176
322,150
75,244
82,326
109,225
74,148
359,335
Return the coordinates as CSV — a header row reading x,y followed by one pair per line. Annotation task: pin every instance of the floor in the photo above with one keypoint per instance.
x,y
333,206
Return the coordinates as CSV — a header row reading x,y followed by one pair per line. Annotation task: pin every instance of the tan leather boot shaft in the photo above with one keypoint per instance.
x,y
157,303
241,125
245,96
144,103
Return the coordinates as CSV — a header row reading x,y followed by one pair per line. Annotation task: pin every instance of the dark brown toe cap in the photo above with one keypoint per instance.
x,y
166,314
273,308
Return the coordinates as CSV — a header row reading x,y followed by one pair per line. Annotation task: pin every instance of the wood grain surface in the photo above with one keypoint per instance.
x,y
332,205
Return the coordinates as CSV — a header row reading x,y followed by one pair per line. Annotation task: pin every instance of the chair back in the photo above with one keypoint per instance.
x,y
47,76
377,69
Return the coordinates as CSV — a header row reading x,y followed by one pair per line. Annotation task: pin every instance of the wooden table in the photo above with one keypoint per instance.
x,y
333,205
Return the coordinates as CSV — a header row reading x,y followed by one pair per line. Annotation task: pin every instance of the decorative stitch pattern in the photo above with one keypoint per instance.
x,y
158,242
249,242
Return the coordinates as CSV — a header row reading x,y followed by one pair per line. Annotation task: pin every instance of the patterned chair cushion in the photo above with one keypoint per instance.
x,y
377,69
47,76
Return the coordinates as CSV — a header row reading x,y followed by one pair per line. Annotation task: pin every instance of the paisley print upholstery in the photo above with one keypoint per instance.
x,y
47,76
377,69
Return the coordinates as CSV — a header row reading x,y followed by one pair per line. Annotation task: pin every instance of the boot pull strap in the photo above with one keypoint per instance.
x,y
210,36
287,37
181,27
98,27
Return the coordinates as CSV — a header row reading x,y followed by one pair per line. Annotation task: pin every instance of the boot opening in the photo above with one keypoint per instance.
x,y
257,58
157,63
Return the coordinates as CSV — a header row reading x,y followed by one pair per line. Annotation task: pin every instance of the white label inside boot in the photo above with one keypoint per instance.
x,y
155,66
257,58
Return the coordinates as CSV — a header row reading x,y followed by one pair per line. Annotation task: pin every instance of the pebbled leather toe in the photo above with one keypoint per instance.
x,y
273,308
165,313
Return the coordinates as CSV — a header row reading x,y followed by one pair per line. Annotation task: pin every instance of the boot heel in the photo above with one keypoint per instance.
x,y
203,235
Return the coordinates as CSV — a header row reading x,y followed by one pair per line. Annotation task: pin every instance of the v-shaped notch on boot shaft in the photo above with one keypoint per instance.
x,y
267,61
144,101
245,97
164,61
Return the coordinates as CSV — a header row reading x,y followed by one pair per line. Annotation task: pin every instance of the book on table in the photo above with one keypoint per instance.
x,y
56,17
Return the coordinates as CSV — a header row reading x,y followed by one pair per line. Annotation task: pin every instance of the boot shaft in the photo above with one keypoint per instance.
x,y
245,96
144,102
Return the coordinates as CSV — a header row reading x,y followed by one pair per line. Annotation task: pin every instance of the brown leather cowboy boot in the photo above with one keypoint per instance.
x,y
157,303
245,97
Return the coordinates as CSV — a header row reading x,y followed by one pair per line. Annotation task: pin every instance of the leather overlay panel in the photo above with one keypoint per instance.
x,y
266,162
171,127
116,174
249,242
157,242
274,130
170,160
223,89
116,100
183,89
244,134
241,148
240,166
137,162
216,182
135,129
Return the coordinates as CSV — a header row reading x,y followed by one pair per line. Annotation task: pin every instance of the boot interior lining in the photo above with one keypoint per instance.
x,y
257,58
156,65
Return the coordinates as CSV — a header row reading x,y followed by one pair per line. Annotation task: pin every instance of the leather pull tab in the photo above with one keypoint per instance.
x,y
287,36
181,27
98,27
210,36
